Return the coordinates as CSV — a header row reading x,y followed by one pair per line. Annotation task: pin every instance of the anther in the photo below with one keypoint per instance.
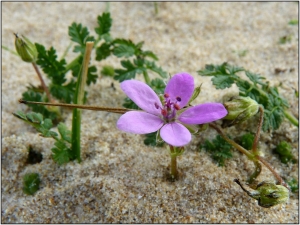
x,y
156,105
178,99
166,95
176,106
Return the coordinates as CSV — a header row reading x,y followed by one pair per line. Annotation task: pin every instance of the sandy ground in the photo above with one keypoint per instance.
x,y
120,179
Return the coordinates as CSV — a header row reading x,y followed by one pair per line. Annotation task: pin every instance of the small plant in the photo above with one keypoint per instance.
x,y
31,183
284,150
275,106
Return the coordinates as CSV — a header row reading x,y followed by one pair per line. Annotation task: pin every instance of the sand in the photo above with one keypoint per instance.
x,y
120,180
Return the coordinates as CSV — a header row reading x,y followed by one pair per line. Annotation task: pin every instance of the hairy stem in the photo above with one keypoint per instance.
x,y
42,82
88,107
260,123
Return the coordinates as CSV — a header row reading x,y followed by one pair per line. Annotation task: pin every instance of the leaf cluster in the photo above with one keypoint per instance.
x,y
31,183
225,75
284,151
219,149
61,152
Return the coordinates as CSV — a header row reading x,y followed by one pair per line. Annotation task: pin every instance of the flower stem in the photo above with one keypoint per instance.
x,y
78,99
173,171
260,123
253,157
42,82
291,118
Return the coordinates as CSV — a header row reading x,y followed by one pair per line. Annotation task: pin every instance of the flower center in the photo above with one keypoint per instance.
x,y
168,111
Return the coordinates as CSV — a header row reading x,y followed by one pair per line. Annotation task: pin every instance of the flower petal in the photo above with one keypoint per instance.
x,y
180,85
204,113
142,95
175,134
139,122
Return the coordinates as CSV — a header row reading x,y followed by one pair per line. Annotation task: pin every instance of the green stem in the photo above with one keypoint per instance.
x,y
234,144
78,99
146,77
256,172
291,118
72,64
173,171
66,51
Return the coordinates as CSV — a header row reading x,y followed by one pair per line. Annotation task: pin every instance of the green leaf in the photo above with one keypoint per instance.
x,y
103,51
129,104
158,86
31,183
36,120
255,78
104,22
64,93
152,66
151,140
31,95
50,65
80,35
222,82
124,48
284,150
64,132
61,153
294,185
219,149
130,70
293,22
246,141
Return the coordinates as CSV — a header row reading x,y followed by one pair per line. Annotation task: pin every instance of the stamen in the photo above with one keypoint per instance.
x,y
164,112
176,106
166,95
178,99
156,105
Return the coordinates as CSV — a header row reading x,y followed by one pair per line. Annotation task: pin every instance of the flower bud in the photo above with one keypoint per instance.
x,y
26,49
268,194
240,109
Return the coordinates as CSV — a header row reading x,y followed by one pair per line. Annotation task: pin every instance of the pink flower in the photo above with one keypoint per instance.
x,y
168,118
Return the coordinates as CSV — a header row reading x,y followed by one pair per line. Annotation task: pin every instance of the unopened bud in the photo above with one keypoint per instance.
x,y
268,194
26,49
240,109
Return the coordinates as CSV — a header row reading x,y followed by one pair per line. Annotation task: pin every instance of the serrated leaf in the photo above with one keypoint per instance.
x,y
219,149
104,22
54,69
129,104
130,70
255,78
124,51
222,81
64,132
61,153
80,35
103,51
31,182
158,86
152,66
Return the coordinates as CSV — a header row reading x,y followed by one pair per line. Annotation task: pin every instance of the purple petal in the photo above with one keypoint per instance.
x,y
180,85
142,95
139,122
175,134
204,113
